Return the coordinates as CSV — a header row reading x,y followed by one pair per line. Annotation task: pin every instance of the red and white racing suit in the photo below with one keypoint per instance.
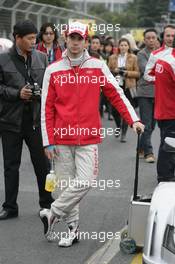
x,y
70,120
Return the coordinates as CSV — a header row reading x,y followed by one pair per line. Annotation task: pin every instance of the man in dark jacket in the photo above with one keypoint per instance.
x,y
145,92
21,75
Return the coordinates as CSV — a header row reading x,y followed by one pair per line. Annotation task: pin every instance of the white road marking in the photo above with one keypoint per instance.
x,y
106,253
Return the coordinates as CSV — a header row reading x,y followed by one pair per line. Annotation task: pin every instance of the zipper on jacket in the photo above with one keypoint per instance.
x,y
78,126
78,88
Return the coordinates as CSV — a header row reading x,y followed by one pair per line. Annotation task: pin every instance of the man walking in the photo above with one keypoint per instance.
x,y
21,76
71,125
145,92
160,69
168,37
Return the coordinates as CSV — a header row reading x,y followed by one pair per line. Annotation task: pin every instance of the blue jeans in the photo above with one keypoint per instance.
x,y
146,107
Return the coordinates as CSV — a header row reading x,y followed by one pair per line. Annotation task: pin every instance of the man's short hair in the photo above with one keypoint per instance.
x,y
150,30
169,26
23,28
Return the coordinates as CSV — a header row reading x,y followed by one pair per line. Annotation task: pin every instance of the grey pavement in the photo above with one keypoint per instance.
x,y
102,211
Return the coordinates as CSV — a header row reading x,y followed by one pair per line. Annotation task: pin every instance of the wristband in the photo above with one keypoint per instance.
x,y
50,147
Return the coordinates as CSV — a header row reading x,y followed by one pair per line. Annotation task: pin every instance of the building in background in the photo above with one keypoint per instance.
x,y
112,5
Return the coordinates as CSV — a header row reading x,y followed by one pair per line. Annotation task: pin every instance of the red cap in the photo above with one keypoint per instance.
x,y
79,28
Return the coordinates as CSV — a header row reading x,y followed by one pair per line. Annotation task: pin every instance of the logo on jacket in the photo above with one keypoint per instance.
x,y
159,68
89,71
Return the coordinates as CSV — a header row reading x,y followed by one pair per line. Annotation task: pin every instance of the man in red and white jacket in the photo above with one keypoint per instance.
x,y
71,125
160,69
168,37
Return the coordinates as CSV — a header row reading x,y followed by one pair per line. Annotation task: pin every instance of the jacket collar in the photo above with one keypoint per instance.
x,y
85,57
43,47
17,52
33,55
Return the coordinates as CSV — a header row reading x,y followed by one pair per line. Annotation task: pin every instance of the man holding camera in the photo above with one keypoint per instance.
x,y
21,75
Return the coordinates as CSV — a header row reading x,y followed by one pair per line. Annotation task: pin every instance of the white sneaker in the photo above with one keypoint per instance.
x,y
49,221
72,237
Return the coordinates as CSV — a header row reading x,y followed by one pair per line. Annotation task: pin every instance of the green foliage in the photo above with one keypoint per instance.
x,y
139,13
59,3
123,19
150,11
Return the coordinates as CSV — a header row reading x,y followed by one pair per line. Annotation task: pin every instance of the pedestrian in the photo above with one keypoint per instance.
x,y
21,74
124,66
107,50
95,47
132,42
95,50
71,125
48,42
145,93
106,53
160,70
168,37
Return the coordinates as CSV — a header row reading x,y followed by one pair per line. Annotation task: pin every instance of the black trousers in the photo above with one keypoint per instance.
x,y
116,116
12,144
166,160
104,101
118,120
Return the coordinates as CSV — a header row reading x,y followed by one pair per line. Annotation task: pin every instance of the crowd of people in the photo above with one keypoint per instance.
x,y
133,77
127,63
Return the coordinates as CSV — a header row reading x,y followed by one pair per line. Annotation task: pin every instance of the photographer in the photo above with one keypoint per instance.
x,y
124,67
21,76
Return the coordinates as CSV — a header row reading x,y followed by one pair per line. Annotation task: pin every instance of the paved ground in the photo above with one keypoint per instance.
x,y
103,211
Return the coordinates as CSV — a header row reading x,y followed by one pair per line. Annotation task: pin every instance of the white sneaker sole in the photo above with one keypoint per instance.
x,y
48,225
72,238
66,242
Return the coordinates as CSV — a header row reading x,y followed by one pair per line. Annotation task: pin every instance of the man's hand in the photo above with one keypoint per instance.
x,y
51,152
138,127
26,93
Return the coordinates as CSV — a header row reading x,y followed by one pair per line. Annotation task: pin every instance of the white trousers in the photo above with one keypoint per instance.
x,y
76,167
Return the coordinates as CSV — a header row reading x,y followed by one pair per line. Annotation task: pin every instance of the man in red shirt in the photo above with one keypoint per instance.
x,y
71,125
161,70
168,37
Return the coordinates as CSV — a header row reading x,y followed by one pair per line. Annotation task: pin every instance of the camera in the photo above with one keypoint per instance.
x,y
121,70
36,90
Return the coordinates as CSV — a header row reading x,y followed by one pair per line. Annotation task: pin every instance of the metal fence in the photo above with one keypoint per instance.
x,y
12,11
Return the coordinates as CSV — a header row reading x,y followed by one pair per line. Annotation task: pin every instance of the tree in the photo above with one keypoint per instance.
x,y
150,11
125,19
139,13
